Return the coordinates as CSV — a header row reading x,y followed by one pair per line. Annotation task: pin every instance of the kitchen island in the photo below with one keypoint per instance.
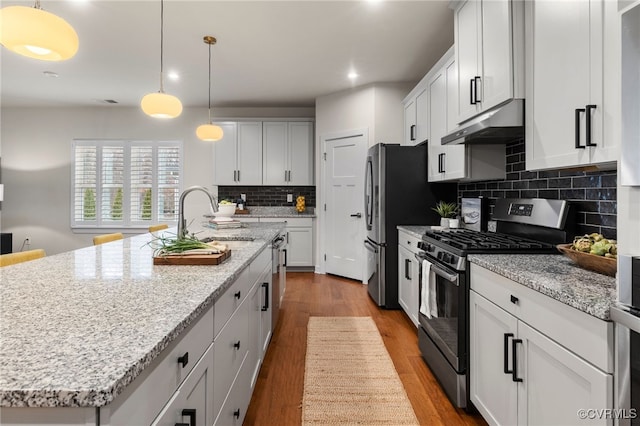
x,y
77,328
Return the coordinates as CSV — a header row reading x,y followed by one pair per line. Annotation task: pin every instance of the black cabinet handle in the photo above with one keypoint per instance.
x,y
191,413
514,300
237,345
441,162
237,295
181,424
406,268
471,91
577,131
506,353
265,307
588,125
285,257
238,175
236,414
184,359
412,132
514,374
475,89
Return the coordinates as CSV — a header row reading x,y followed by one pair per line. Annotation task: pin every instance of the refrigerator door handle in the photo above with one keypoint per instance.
x,y
370,246
368,194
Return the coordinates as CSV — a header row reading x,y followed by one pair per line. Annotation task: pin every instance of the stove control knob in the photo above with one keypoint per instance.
x,y
446,258
440,255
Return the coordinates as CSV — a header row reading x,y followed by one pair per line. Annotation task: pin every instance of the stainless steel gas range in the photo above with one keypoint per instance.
x,y
523,226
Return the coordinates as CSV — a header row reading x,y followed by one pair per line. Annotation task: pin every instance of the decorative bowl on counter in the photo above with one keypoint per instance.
x,y
592,262
225,210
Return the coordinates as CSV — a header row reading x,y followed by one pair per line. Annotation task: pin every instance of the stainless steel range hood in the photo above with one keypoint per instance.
x,y
503,124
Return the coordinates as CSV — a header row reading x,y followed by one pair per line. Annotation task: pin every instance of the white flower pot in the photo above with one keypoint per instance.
x,y
444,222
454,223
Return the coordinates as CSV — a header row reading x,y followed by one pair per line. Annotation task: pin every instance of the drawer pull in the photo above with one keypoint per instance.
x,y
191,413
514,300
184,359
506,353
265,307
236,413
237,345
237,295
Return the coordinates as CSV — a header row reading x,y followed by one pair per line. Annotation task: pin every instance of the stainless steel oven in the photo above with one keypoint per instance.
x,y
442,335
626,314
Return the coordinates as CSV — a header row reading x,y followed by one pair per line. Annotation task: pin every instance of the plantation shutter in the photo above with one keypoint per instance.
x,y
120,184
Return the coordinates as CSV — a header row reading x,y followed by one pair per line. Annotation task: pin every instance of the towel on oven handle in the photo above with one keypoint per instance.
x,y
428,303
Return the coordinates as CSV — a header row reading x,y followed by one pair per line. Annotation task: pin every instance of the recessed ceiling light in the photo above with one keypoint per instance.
x,y
173,76
352,75
50,74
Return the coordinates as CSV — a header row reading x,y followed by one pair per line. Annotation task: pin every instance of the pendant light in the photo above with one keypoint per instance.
x,y
160,104
35,33
209,132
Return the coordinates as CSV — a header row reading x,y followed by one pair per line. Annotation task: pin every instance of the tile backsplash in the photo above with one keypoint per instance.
x,y
269,195
592,194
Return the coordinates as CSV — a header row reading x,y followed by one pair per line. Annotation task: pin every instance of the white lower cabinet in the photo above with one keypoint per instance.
x,y
519,375
408,273
300,235
193,402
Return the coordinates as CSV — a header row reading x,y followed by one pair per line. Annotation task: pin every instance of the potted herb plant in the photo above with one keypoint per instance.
x,y
446,211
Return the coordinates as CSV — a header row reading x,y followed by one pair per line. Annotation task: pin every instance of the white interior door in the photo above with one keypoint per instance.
x,y
344,183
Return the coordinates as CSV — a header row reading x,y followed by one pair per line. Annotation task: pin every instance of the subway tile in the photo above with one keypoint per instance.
x,y
492,185
564,173
550,194
572,194
548,174
513,176
505,185
587,182
608,207
518,167
609,233
512,194
560,183
529,193
538,184
601,194
498,194
513,158
609,181
521,184
528,175
585,206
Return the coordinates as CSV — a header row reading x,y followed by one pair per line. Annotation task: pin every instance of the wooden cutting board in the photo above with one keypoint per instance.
x,y
193,259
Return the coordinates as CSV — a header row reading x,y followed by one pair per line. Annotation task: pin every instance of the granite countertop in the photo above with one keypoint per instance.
x,y
76,328
284,212
415,230
557,277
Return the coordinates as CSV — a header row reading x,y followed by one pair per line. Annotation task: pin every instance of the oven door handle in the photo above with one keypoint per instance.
x,y
453,278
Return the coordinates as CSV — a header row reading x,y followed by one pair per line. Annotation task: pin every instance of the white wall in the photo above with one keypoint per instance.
x,y
36,162
376,108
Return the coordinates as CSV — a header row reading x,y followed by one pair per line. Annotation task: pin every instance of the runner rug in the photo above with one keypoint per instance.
x,y
349,376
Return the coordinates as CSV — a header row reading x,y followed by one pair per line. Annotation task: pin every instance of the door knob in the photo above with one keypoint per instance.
x,y
358,215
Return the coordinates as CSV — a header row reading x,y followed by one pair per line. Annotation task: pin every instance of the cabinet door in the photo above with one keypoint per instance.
x,y
497,57
266,302
437,124
249,153
300,247
422,116
225,156
410,123
274,164
468,41
408,284
300,153
193,401
556,383
560,73
254,358
491,333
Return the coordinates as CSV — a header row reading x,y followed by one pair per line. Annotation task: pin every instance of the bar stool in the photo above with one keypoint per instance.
x,y
22,256
160,227
105,238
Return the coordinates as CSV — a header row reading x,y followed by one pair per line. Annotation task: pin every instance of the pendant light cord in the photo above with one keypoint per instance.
x,y
209,83
161,44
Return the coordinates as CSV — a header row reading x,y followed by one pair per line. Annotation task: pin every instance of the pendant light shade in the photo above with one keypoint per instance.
x,y
35,33
209,132
160,104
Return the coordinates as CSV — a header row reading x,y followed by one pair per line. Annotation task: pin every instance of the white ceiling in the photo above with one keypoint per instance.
x,y
269,53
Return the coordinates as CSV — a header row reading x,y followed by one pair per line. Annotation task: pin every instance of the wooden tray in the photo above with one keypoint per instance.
x,y
193,259
244,211
592,262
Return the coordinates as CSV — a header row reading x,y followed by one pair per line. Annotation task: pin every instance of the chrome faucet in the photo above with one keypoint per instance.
x,y
182,222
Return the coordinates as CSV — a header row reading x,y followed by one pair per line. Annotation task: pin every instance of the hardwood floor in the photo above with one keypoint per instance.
x,y
277,397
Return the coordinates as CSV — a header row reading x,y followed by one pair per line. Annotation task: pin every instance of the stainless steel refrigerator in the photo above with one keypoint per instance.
x,y
396,193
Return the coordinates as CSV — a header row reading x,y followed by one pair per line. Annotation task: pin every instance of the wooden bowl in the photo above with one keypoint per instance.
x,y
592,262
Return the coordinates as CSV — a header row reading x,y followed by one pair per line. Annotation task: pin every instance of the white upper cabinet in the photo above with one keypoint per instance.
x,y
288,153
455,162
489,54
416,125
238,155
566,110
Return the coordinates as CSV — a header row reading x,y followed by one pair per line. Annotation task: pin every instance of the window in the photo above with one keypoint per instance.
x,y
125,184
